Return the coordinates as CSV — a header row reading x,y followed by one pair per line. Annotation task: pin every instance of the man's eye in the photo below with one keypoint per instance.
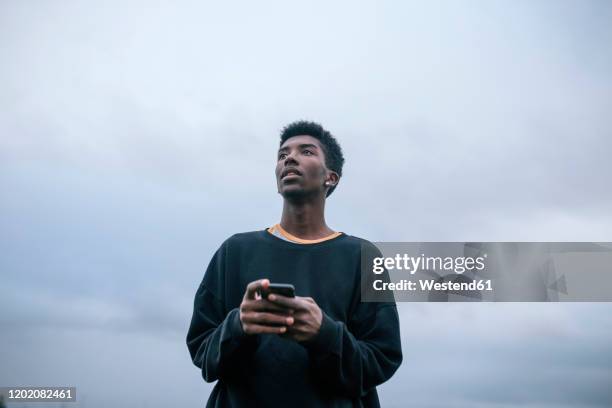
x,y
308,152
281,156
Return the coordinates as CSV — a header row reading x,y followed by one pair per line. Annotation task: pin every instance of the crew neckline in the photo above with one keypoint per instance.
x,y
273,238
277,228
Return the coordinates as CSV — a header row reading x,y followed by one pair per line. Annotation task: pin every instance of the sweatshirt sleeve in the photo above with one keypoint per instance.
x,y
216,341
353,361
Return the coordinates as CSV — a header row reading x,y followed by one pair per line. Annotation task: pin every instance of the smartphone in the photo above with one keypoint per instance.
x,y
284,289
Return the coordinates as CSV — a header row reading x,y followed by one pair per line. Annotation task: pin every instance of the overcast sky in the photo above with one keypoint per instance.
x,y
136,136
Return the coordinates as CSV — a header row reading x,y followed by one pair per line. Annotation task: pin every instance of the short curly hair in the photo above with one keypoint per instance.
x,y
334,159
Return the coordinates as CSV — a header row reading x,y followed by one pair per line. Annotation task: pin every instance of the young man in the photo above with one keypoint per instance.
x,y
322,348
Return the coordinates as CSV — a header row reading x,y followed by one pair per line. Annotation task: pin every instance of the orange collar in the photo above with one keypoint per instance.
x,y
293,238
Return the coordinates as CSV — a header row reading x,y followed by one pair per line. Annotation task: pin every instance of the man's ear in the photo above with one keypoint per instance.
x,y
332,179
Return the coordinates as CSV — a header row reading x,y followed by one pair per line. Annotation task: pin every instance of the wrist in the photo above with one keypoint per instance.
x,y
235,324
325,338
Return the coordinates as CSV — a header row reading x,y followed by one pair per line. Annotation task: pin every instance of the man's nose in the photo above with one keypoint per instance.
x,y
290,158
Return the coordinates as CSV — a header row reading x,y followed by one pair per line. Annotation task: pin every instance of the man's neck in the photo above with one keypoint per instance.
x,y
305,220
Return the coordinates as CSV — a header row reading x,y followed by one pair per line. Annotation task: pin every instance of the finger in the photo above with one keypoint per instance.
x,y
259,329
290,303
262,305
255,286
265,305
266,319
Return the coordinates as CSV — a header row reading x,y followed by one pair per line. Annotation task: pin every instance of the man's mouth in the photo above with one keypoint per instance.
x,y
290,173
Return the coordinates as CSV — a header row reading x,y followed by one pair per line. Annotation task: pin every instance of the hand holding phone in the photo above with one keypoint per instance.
x,y
260,316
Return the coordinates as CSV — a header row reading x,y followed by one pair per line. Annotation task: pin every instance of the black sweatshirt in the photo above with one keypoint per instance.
x,y
357,348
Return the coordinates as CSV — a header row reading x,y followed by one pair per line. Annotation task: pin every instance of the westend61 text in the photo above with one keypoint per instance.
x,y
430,284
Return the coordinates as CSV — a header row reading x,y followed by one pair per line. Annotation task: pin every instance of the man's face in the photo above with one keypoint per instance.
x,y
300,167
